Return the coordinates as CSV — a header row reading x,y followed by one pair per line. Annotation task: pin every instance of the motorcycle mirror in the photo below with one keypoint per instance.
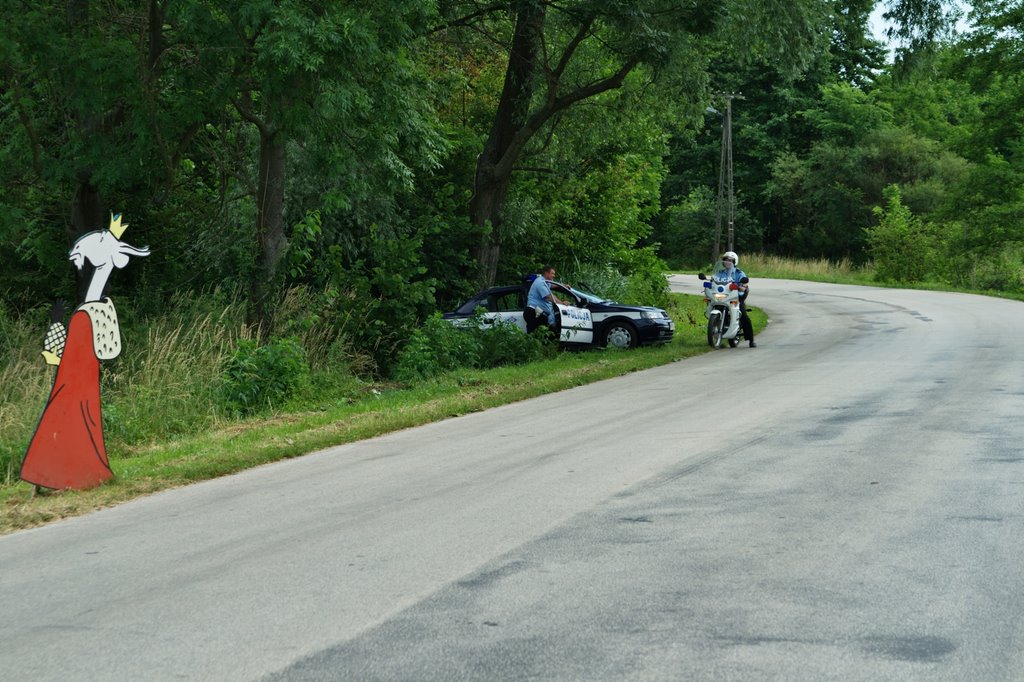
x,y
744,280
701,275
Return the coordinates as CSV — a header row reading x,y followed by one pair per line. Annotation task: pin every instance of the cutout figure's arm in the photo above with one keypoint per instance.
x,y
56,335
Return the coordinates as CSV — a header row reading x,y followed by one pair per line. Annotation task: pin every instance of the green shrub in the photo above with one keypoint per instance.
x,y
439,346
639,279
504,343
647,282
257,377
436,347
901,245
603,280
998,269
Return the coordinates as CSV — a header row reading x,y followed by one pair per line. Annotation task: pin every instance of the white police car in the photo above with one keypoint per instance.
x,y
589,320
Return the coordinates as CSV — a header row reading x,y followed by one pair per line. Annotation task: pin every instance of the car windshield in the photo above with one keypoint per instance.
x,y
587,296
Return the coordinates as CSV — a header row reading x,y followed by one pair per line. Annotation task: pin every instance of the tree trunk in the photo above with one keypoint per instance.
x,y
494,167
485,209
87,215
270,234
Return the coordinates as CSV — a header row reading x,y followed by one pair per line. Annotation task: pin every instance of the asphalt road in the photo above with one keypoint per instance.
x,y
844,502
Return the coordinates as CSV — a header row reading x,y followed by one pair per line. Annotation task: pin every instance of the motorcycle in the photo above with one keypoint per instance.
x,y
722,296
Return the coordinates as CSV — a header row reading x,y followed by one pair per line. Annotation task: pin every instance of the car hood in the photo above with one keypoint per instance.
x,y
609,305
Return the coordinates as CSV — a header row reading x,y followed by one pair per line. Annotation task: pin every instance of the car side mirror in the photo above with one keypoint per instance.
x,y
701,275
744,280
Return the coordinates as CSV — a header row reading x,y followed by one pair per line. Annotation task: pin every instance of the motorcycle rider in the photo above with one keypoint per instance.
x,y
730,262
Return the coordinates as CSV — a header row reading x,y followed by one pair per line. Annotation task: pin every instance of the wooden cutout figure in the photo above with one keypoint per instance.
x,y
67,449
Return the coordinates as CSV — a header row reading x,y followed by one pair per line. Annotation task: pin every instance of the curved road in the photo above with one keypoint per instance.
x,y
844,502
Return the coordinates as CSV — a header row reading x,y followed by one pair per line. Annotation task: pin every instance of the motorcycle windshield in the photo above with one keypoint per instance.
x,y
720,274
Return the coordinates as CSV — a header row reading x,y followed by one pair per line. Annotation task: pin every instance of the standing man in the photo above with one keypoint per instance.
x,y
540,302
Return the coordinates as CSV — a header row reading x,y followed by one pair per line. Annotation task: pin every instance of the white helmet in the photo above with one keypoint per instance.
x,y
731,255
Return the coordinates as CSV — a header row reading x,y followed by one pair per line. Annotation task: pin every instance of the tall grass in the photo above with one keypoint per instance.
x,y
820,269
167,382
1002,277
25,382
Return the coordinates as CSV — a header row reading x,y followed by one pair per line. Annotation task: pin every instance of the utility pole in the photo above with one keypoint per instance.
x,y
725,180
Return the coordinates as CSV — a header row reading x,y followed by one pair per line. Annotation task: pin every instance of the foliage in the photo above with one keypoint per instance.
x,y
381,113
602,280
901,246
440,346
258,377
564,56
820,269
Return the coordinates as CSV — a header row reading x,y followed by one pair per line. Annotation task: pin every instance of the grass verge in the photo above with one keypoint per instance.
x,y
381,409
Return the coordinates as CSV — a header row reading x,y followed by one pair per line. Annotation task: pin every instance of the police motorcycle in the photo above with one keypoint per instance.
x,y
722,296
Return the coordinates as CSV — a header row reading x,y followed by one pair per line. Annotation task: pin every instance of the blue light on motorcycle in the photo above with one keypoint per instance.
x,y
707,285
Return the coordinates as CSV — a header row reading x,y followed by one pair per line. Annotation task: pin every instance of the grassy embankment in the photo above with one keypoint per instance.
x,y
820,270
844,272
156,440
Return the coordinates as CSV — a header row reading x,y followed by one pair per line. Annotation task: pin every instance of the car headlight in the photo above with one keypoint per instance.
x,y
652,314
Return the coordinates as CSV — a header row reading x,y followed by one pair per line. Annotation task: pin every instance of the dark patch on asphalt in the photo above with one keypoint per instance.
x,y
926,649
636,519
987,519
489,578
763,639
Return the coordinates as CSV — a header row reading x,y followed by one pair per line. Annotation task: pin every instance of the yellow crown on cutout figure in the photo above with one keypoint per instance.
x,y
115,225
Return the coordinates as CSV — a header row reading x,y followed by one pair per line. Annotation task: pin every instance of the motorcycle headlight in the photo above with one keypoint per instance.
x,y
721,297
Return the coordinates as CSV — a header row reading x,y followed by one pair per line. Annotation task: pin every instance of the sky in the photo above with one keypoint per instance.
x,y
878,25
876,22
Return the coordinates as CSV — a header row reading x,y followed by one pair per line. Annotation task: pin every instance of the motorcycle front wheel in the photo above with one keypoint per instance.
x,y
715,330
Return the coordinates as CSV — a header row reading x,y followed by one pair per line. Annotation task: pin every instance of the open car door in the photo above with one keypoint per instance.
x,y
575,325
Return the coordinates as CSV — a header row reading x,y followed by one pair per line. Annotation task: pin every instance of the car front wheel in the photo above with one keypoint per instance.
x,y
620,335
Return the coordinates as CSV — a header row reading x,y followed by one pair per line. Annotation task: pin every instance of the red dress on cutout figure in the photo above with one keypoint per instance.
x,y
67,449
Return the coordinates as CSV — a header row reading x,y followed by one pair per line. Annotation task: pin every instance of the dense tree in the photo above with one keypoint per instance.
x,y
367,162
768,124
118,107
331,75
86,126
564,53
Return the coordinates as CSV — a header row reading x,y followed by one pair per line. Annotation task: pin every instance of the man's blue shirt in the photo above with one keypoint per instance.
x,y
538,297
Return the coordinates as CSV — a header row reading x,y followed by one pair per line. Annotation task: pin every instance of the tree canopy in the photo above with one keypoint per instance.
x,y
380,160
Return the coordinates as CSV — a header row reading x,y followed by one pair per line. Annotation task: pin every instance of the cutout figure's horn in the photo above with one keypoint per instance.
x,y
130,250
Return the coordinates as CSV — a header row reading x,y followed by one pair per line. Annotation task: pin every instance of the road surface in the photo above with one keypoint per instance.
x,y
845,501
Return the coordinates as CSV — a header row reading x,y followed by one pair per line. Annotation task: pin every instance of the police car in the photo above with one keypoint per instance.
x,y
588,320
